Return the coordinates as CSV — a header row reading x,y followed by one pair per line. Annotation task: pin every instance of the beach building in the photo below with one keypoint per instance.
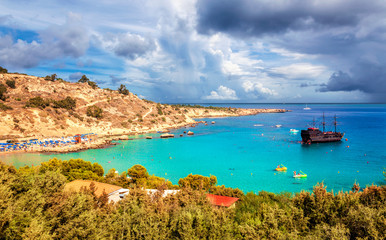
x,y
222,201
114,193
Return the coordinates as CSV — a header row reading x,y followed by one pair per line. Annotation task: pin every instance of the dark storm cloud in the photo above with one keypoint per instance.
x,y
347,35
255,18
366,77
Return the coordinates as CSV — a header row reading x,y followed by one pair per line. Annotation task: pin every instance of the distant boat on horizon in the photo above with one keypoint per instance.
x,y
307,108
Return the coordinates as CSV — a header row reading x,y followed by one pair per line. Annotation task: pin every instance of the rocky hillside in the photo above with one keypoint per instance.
x,y
34,107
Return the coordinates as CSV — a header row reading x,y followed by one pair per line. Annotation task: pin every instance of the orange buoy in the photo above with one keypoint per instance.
x,y
346,139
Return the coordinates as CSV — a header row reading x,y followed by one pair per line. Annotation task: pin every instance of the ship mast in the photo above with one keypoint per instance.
x,y
324,124
335,122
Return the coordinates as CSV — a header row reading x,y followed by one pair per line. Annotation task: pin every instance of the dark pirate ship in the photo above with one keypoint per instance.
x,y
314,135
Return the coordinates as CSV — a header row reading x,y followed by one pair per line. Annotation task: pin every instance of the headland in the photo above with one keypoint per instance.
x,y
39,113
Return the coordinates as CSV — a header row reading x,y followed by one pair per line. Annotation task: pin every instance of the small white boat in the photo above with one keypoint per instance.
x,y
306,108
294,130
278,125
258,125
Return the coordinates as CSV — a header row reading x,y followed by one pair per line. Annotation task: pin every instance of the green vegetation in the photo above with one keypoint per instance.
x,y
94,111
123,90
85,79
51,78
11,83
67,103
3,90
5,107
159,109
39,102
33,205
3,70
74,169
178,106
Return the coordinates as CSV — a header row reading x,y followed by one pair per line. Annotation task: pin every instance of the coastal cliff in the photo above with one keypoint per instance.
x,y
34,107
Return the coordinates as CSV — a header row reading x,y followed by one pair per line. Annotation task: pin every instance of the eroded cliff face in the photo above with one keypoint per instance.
x,y
122,114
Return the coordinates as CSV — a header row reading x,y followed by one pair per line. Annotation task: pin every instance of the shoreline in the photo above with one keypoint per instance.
x,y
107,140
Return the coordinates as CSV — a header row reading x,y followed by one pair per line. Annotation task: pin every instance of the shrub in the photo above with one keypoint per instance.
x,y
3,90
11,83
159,109
123,90
5,107
85,79
3,70
50,78
38,102
94,111
67,103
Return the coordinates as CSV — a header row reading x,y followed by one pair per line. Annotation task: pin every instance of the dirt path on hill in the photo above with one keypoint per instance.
x,y
151,109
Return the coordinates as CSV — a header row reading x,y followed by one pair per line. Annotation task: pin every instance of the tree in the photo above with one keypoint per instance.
x,y
198,182
74,169
137,172
123,90
50,78
3,70
83,79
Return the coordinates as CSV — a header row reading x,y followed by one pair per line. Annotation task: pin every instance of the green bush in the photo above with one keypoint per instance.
x,y
3,70
123,90
3,90
85,79
94,111
5,107
37,102
11,83
159,109
67,103
50,78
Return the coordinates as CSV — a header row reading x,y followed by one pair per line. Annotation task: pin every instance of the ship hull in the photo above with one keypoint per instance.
x,y
317,136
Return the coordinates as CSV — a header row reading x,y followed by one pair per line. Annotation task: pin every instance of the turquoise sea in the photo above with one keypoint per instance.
x,y
242,152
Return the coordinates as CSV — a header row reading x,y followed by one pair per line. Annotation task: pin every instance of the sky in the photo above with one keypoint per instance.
x,y
201,51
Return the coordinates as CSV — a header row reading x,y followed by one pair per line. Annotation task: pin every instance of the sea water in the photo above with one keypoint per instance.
x,y
242,152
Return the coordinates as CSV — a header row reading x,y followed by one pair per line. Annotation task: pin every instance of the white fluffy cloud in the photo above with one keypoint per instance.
x,y
57,41
222,93
258,89
299,71
127,45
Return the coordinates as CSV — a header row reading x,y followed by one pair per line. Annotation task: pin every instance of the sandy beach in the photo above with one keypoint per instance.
x,y
101,140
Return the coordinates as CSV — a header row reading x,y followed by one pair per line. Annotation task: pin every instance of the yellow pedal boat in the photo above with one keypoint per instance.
x,y
281,168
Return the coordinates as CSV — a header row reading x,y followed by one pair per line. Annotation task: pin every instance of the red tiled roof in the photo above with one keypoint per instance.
x,y
221,200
